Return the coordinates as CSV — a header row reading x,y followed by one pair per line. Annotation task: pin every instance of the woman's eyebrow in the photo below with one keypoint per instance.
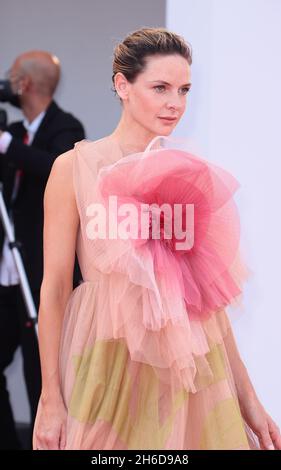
x,y
167,83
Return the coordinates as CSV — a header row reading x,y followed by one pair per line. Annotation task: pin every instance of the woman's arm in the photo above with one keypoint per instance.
x,y
61,222
252,410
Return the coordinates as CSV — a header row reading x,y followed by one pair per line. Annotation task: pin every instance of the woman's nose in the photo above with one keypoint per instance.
x,y
174,103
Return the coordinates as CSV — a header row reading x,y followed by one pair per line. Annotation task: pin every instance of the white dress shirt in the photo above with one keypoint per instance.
x,y
8,271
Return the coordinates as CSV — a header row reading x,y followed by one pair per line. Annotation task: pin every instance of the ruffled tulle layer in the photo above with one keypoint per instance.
x,y
127,388
196,269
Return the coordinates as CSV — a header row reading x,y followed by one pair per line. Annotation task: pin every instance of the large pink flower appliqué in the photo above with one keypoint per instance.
x,y
205,273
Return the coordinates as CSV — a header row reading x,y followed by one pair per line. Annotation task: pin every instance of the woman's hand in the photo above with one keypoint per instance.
x,y
252,410
261,423
50,425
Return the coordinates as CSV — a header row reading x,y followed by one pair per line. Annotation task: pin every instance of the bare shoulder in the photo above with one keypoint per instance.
x,y
63,164
60,182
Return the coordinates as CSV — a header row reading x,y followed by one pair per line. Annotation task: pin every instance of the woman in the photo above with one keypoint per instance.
x,y
141,355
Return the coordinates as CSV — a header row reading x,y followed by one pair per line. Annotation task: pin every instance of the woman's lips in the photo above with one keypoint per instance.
x,y
167,119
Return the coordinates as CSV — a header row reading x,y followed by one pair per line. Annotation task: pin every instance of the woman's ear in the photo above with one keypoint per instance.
x,y
121,86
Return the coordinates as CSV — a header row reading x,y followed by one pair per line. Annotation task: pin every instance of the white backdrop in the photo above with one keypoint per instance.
x,y
233,117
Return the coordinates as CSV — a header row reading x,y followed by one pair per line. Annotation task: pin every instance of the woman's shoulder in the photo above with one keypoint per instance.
x,y
97,153
65,159
86,154
93,145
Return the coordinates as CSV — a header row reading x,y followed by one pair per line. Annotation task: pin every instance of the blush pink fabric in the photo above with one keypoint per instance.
x,y
143,357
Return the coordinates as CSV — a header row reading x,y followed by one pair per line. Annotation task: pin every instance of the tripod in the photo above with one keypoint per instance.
x,y
14,246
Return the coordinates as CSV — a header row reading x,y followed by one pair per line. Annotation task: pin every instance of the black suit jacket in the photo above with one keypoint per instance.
x,y
57,133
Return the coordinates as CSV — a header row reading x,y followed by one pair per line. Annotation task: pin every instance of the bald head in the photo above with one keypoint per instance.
x,y
43,69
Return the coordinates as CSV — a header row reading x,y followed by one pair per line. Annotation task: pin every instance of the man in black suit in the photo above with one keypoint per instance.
x,y
27,152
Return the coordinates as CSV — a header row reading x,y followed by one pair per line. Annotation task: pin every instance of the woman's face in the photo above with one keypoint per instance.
x,y
157,98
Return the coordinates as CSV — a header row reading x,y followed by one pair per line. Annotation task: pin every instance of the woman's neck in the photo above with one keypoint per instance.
x,y
131,137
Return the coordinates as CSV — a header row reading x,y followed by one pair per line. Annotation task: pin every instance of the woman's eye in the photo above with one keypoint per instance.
x,y
184,91
159,88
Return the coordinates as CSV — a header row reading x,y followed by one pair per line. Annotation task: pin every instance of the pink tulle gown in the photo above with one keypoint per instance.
x,y
143,354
